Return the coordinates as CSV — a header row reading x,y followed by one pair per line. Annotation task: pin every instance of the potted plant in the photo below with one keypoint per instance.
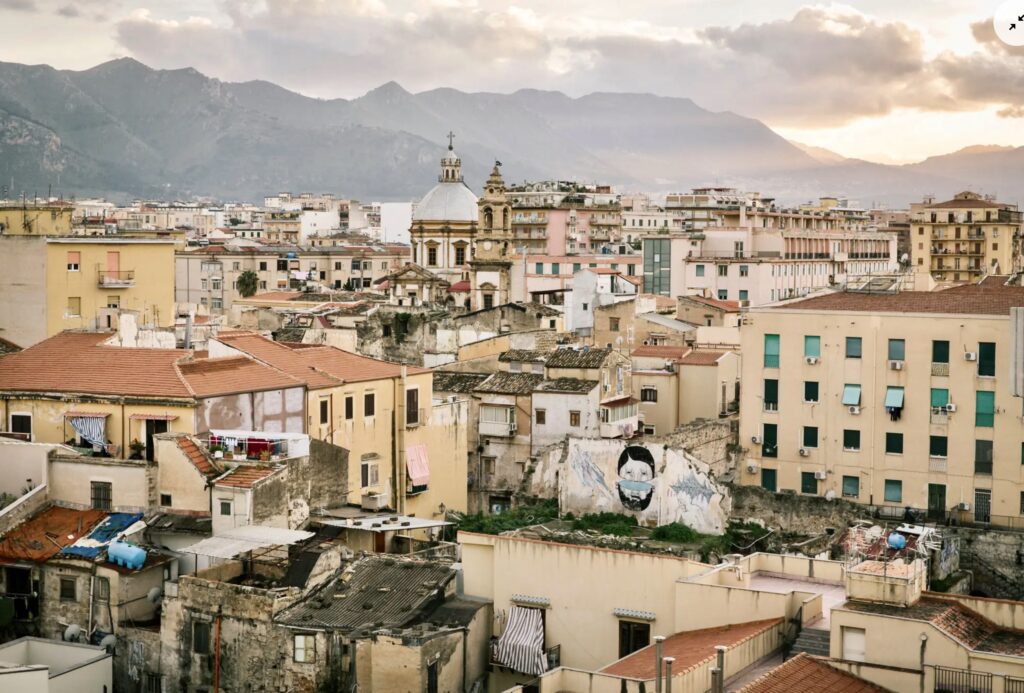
x,y
217,451
136,446
265,455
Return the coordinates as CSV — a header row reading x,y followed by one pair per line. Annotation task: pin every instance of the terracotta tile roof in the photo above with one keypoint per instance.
x,y
457,382
727,306
317,366
75,362
574,385
247,475
689,648
510,383
196,456
46,534
806,674
459,287
701,358
660,351
956,620
528,355
232,374
578,358
965,203
967,299
602,270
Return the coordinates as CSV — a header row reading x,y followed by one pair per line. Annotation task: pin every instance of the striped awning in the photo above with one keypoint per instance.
x,y
72,414
153,417
521,646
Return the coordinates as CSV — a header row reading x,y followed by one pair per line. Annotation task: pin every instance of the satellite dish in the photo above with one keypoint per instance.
x,y
154,595
108,642
72,633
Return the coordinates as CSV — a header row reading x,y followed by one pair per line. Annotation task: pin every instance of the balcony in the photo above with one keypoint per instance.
x,y
115,279
497,429
620,418
552,654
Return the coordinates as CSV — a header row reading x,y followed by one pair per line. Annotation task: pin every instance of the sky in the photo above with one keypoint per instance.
x,y
886,81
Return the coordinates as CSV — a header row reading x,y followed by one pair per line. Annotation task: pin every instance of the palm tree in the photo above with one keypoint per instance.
x,y
248,282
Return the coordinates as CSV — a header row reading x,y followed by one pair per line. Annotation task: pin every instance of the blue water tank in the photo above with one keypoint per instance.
x,y
897,541
126,555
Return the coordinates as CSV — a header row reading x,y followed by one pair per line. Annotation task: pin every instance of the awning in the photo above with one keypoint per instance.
x,y
91,427
521,646
240,540
72,414
153,417
418,464
894,397
851,395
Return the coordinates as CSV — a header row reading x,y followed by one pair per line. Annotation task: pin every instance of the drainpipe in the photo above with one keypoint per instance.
x,y
400,442
658,640
924,645
216,657
668,674
720,650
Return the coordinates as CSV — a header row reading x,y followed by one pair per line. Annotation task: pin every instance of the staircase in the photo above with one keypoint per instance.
x,y
813,641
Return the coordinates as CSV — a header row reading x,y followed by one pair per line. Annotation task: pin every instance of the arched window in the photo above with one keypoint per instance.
x,y
488,218
504,219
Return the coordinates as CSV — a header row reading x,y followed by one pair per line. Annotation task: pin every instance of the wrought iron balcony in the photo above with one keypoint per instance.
x,y
115,279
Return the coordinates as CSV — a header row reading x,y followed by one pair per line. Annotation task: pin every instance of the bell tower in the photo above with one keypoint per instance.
x,y
451,164
490,281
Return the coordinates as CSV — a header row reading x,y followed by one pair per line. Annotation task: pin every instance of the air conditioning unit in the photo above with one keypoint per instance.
x,y
373,501
895,365
970,356
811,360
951,407
752,468
756,440
804,452
820,475
963,506
854,409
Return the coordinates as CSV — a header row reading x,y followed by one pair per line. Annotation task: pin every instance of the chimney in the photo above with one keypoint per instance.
x,y
658,640
668,674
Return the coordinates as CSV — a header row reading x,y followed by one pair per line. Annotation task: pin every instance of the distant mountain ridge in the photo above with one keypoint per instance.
x,y
123,129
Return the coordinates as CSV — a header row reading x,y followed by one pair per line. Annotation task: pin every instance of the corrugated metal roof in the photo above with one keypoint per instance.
x,y
236,541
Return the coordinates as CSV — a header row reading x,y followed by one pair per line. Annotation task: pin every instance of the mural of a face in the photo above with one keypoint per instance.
x,y
636,476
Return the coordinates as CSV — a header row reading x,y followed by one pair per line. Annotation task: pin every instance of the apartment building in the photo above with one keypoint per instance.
x,y
899,399
564,217
35,218
965,238
59,283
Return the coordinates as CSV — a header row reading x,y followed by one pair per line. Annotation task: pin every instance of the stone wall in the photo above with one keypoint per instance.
x,y
712,441
318,481
136,655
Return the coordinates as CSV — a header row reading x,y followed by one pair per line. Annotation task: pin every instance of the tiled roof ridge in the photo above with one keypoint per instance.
x,y
181,377
960,608
767,623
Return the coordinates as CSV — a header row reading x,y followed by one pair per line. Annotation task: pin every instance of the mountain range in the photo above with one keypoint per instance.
x,y
122,129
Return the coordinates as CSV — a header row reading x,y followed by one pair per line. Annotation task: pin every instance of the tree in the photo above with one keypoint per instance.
x,y
248,282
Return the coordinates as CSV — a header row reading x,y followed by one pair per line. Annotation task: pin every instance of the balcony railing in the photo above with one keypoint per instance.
x,y
115,279
553,655
498,429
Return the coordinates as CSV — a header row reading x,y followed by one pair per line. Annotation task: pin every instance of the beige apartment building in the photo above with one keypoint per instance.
x,y
895,400
966,238
35,218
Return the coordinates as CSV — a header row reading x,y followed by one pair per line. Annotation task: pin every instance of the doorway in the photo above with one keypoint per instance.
x,y
936,502
153,426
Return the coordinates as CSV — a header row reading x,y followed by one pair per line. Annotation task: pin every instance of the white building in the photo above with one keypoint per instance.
x,y
592,288
36,665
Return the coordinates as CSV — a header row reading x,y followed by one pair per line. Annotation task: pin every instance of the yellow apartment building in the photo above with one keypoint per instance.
x,y
895,400
55,283
35,219
966,238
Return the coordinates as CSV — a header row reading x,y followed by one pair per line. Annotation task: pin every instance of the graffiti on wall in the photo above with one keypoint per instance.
x,y
656,484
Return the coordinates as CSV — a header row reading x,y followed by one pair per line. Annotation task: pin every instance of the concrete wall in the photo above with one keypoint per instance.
x,y
130,481
24,465
177,476
23,285
273,411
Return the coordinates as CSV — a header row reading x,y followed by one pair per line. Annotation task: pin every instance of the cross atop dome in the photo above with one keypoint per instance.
x,y
451,165
451,137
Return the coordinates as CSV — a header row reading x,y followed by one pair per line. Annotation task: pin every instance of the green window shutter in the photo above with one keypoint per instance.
x,y
769,479
985,409
894,397
771,391
851,395
812,346
940,397
540,268
940,351
897,350
771,351
700,270
893,491
851,486
810,390
987,358
938,446
808,484
894,443
853,347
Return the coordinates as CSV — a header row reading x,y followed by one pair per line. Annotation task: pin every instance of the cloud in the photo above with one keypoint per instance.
x,y
823,66
69,11
18,5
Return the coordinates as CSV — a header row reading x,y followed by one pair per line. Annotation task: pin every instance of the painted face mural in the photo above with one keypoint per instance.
x,y
636,477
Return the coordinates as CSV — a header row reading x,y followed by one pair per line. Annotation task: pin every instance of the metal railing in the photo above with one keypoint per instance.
x,y
247,448
961,681
553,655
115,278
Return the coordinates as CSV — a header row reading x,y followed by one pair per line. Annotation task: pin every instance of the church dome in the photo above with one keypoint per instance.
x,y
447,201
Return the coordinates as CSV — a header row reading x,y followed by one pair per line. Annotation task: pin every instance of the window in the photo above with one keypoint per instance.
x,y
325,411
556,268
541,416
74,307
74,260
613,324
937,446
648,394
894,443
853,640
853,347
539,268
893,401
369,404
216,302
165,499
369,474
22,423
812,346
412,407
489,302
744,295
263,284
263,267
215,284
723,294
810,390
940,351
770,440
350,407
236,266
744,270
771,351
200,637
769,480
985,409
851,395
897,349
305,649
633,636
103,588
808,484
431,256
576,267
940,397
810,437
771,394
100,492
68,591
460,255
851,439
983,457
386,330
700,270
225,508
574,418
723,270
851,487
893,491
113,301
987,359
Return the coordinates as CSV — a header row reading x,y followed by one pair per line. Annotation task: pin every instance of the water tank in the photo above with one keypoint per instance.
x,y
897,541
126,555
